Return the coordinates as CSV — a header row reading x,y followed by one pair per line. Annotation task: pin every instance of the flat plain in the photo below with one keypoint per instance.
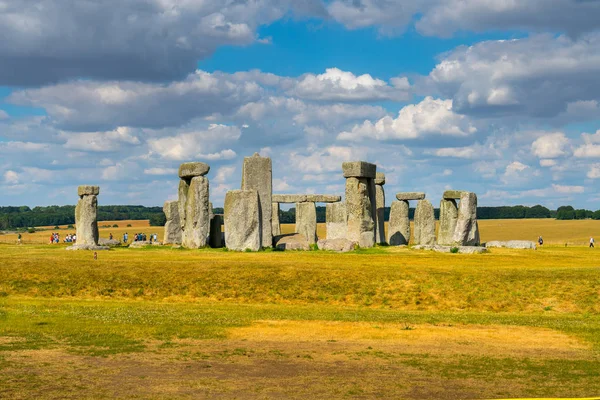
x,y
378,323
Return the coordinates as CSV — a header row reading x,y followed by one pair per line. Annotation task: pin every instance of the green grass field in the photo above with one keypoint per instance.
x,y
163,323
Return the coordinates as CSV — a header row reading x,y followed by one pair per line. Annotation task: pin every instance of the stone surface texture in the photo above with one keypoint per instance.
x,y
88,190
466,232
410,196
359,210
242,220
197,218
513,244
452,194
92,247
306,221
424,224
191,170
399,224
215,239
304,198
448,249
448,218
275,224
295,241
359,169
339,245
173,231
257,174
380,209
336,221
184,187
379,178
86,213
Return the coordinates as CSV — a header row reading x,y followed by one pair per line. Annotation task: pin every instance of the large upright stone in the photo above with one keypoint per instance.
x,y
242,220
276,225
184,187
306,221
448,218
424,224
257,174
466,232
86,214
399,224
359,209
197,216
191,170
173,229
336,221
380,208
216,235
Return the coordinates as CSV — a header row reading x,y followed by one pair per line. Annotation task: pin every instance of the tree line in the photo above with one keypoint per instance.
x,y
24,217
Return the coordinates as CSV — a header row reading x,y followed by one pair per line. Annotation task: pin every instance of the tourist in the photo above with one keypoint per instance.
x,y
541,241
19,239
592,242
125,237
110,237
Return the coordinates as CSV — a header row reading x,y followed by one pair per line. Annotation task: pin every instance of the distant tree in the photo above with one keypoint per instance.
x,y
565,213
158,220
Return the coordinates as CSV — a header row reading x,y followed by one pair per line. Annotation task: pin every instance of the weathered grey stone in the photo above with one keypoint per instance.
x,y
339,245
190,170
379,178
216,236
143,243
513,244
448,249
452,194
275,224
399,224
359,169
380,210
86,222
466,232
448,218
197,222
173,231
242,220
359,210
257,174
305,198
306,221
109,242
184,187
295,241
424,224
92,247
410,196
336,221
88,190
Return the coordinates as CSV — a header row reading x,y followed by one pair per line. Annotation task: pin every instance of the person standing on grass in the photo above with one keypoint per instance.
x,y
19,239
541,241
591,242
125,237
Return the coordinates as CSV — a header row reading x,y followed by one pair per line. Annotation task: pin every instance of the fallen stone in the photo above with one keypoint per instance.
x,y
215,239
339,245
448,249
424,224
380,209
466,232
306,221
294,241
275,224
336,221
86,222
257,174
87,247
143,243
359,169
410,196
197,222
87,190
452,194
399,224
379,178
448,218
173,232
359,209
513,244
242,220
191,170
305,198
109,242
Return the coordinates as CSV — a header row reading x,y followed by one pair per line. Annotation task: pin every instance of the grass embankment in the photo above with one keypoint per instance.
x,y
386,322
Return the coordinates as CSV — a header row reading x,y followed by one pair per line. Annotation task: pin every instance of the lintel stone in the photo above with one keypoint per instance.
x,y
359,169
410,196
87,190
190,170
452,194
380,178
305,198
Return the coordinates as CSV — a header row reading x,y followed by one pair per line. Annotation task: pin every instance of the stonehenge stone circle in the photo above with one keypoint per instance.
x,y
306,221
360,202
448,219
424,224
191,170
380,208
257,174
275,224
216,236
173,229
196,217
410,196
399,224
336,221
242,220
466,232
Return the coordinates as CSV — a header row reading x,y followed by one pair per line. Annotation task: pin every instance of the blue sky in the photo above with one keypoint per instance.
x,y
494,97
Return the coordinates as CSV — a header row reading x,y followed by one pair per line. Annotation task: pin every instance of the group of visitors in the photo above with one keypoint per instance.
x,y
541,241
55,238
141,237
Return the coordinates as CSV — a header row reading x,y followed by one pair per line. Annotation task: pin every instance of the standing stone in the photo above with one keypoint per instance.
x,y
466,232
242,220
184,187
399,225
448,218
336,221
86,216
275,224
173,230
197,219
306,221
216,234
257,174
424,224
380,208
360,202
